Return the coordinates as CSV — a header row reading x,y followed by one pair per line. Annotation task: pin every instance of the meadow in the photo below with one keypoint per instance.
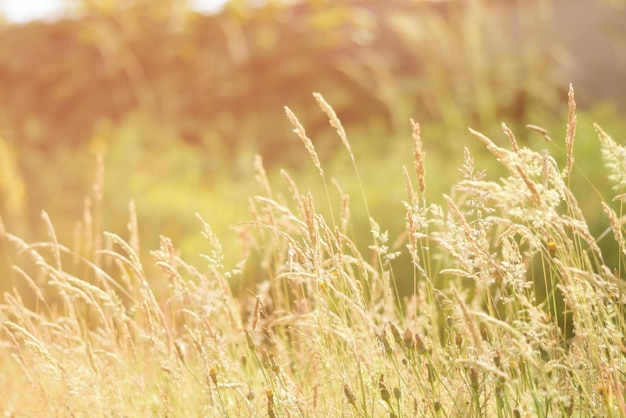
x,y
494,299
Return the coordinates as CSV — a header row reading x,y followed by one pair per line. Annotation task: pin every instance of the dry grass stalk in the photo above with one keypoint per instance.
x,y
419,156
531,187
261,176
308,144
53,238
294,191
344,219
334,121
511,136
499,152
616,226
541,131
571,131
408,186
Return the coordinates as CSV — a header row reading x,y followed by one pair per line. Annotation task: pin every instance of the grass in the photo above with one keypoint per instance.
x,y
511,309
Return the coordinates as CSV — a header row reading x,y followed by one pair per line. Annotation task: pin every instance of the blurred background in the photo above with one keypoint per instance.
x,y
177,97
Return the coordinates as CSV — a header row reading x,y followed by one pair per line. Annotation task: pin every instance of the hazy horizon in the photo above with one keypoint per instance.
x,y
22,11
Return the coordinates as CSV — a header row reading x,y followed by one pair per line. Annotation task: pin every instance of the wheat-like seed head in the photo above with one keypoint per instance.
x,y
308,144
571,131
616,226
419,156
333,119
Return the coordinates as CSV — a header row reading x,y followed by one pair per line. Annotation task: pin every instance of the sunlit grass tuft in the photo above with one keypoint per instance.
x,y
510,310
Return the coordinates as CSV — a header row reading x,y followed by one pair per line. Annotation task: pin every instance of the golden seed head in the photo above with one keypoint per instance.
x,y
473,377
421,347
270,395
484,332
437,406
249,340
213,375
255,315
385,342
408,339
349,395
395,332
384,392
180,350
497,359
458,338
396,392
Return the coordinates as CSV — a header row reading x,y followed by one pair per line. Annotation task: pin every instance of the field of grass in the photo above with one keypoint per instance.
x,y
511,309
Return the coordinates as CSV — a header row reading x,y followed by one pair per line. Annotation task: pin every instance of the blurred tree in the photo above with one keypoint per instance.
x,y
218,84
377,62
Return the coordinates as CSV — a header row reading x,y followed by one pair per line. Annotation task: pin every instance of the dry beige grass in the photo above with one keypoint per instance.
x,y
326,334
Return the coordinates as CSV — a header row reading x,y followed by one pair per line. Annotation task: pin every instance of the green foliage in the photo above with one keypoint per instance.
x,y
169,181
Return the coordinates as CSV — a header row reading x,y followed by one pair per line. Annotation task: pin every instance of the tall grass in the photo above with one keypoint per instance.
x,y
512,311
